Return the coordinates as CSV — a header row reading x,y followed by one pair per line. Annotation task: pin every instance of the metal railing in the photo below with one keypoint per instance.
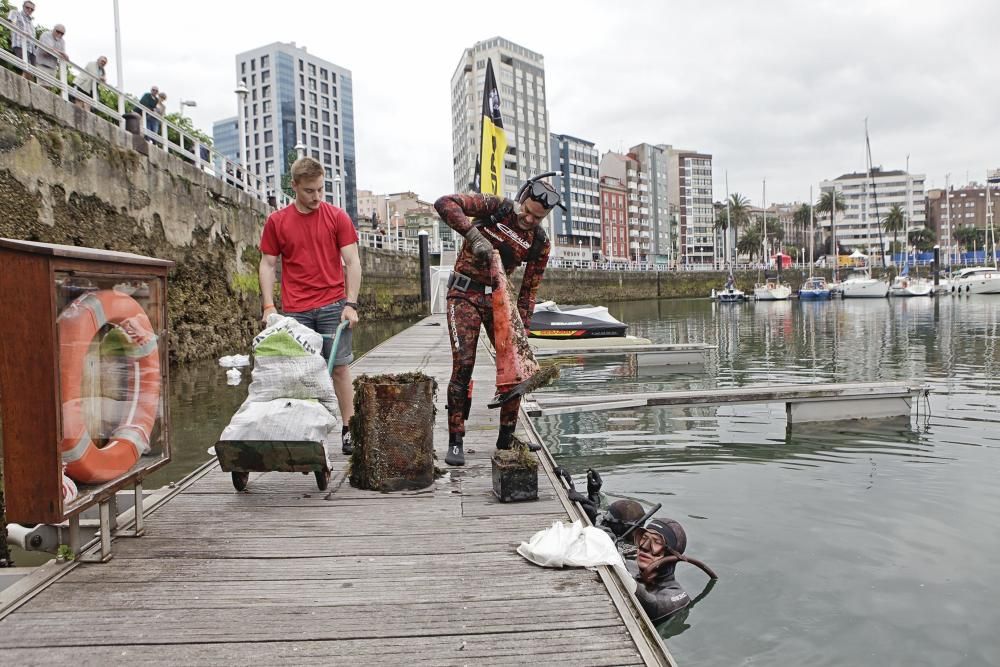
x,y
156,129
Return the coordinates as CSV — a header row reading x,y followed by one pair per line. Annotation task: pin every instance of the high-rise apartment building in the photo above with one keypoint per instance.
x,y
654,207
690,176
576,232
951,209
859,225
226,137
295,100
627,169
520,75
614,220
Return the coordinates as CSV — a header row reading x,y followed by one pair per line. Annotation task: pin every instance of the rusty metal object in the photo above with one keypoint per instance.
x,y
393,432
515,474
270,455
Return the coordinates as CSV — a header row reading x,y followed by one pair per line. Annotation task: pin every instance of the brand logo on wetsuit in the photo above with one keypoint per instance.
x,y
509,232
454,327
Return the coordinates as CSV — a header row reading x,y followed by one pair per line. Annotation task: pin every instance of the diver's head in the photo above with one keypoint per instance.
x,y
536,198
653,540
622,515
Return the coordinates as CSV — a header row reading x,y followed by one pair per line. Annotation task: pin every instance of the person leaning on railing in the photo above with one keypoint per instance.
x,y
22,47
53,48
87,82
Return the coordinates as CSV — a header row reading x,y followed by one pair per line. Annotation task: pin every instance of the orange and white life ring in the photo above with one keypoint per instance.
x,y
78,323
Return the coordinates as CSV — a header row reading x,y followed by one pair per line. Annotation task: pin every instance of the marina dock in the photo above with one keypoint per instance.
x,y
284,573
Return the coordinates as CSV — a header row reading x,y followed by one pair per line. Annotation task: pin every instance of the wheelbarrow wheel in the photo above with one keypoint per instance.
x,y
240,480
323,479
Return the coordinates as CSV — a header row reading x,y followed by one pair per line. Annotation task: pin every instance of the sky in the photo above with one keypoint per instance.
x,y
773,89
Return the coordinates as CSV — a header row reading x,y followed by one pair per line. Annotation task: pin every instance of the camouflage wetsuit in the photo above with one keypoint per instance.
x,y
472,306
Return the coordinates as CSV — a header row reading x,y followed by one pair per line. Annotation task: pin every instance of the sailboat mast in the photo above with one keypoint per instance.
x,y
871,180
729,226
989,214
763,224
833,230
812,233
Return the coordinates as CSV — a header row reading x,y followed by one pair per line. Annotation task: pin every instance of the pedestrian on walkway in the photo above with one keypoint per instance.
x,y
149,100
320,274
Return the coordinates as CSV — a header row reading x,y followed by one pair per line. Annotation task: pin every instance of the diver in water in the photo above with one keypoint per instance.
x,y
490,223
618,520
661,545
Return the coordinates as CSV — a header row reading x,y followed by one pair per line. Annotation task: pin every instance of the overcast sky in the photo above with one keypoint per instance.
x,y
772,89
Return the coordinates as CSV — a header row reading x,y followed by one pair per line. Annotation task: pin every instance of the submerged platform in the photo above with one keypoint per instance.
x,y
803,403
654,354
286,574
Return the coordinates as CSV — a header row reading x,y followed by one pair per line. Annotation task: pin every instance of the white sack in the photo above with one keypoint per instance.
x,y
575,545
292,377
283,419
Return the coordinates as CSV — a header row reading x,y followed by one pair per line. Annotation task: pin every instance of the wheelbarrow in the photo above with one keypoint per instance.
x,y
242,457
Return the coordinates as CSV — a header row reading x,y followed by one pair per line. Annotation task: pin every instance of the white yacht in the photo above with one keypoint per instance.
x,y
976,280
860,285
906,285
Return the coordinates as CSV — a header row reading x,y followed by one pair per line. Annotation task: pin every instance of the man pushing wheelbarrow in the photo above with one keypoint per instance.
x,y
500,235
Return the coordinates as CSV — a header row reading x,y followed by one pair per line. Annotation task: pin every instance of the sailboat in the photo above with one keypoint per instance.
x,y
860,284
772,289
729,293
906,285
815,287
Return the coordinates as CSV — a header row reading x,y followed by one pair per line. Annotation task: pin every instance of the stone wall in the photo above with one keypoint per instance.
x,y
70,177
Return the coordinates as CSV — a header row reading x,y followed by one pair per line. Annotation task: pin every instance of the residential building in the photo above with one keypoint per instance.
x,y
226,137
950,209
614,220
299,102
576,232
654,198
867,200
520,75
690,181
627,169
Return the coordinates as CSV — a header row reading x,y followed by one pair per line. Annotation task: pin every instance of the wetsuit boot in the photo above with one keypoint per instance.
x,y
505,439
455,456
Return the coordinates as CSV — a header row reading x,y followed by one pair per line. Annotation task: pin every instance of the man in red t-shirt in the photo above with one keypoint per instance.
x,y
318,245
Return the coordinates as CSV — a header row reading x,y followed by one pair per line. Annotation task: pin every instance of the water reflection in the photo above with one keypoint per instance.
x,y
821,531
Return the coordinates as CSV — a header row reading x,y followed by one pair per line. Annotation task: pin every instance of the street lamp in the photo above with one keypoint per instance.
x,y
336,186
241,96
187,103
118,61
398,241
300,150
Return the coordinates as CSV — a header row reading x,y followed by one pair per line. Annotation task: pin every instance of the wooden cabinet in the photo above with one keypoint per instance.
x,y
83,375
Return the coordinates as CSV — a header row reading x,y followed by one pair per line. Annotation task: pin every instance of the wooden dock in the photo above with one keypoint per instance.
x,y
286,574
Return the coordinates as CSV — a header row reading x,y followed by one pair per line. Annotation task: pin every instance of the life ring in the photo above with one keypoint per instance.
x,y
78,323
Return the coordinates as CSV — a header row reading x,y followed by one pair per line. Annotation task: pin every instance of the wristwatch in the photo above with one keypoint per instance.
x,y
352,304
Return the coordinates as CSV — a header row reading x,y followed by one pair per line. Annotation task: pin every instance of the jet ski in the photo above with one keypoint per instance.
x,y
553,321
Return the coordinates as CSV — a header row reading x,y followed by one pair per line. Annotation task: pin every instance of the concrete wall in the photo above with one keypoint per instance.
x,y
68,176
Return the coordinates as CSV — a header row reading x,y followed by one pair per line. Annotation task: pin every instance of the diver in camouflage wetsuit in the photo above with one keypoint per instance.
x,y
487,223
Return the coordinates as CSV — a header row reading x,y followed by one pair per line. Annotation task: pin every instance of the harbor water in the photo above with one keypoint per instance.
x,y
843,543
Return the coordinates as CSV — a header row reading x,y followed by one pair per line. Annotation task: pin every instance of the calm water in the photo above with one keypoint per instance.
x,y
852,543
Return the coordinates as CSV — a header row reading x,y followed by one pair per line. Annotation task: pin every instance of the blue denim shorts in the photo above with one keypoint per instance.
x,y
325,320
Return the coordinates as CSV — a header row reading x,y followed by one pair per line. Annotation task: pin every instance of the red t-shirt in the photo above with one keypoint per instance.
x,y
309,246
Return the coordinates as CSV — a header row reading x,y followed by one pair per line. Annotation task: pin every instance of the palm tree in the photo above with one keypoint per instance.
x,y
801,220
922,239
968,237
749,243
827,201
739,210
894,221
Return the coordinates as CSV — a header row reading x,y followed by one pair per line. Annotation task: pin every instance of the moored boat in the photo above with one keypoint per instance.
x,y
860,285
815,289
553,321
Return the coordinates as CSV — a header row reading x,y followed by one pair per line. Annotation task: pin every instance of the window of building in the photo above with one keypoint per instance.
x,y
327,159
265,76
253,79
268,136
312,70
265,106
324,88
333,79
243,67
313,113
302,108
315,155
265,91
267,121
303,138
302,123
333,91
312,98
323,73
252,64
314,142
269,151
313,126
325,115
326,130
301,65
326,102
326,144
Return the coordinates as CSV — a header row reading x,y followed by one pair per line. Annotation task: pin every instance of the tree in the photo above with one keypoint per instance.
x,y
895,222
922,239
286,176
739,210
827,201
969,237
749,243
